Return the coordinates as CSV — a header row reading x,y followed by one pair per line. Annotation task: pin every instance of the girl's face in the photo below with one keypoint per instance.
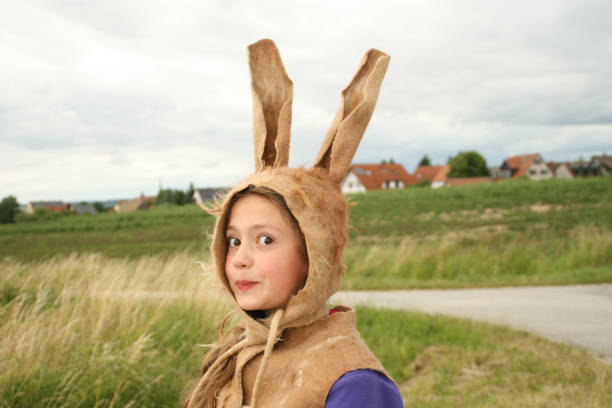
x,y
265,264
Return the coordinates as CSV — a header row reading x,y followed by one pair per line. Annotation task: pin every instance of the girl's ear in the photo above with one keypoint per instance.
x,y
353,115
272,97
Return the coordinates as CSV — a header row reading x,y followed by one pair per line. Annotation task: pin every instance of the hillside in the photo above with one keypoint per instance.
x,y
406,238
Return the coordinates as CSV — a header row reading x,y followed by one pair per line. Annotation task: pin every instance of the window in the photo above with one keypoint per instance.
x,y
532,172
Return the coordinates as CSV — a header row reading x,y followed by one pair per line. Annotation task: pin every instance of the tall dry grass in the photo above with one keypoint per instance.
x,y
91,331
486,257
85,330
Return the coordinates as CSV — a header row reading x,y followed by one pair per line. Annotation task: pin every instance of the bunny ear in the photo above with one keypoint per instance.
x,y
272,96
353,115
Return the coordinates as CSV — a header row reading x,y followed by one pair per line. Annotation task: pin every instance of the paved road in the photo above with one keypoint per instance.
x,y
579,315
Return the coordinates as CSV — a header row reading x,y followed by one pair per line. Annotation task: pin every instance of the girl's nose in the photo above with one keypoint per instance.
x,y
242,257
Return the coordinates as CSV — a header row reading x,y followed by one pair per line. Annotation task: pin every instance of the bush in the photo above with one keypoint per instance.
x,y
468,164
9,207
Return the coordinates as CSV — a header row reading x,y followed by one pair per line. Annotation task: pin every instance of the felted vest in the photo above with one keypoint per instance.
x,y
303,365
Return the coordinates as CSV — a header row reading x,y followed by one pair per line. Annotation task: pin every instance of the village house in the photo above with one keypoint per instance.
x,y
579,168
436,175
530,165
367,177
582,168
140,203
495,172
604,162
561,170
80,209
55,206
204,195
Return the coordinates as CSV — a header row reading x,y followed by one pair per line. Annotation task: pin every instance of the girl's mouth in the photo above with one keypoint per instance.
x,y
245,285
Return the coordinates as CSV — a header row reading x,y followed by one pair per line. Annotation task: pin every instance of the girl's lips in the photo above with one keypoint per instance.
x,y
245,285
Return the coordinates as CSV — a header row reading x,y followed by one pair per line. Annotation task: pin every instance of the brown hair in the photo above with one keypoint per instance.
x,y
206,396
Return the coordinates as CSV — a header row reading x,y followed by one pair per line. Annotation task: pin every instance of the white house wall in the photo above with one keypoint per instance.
x,y
539,170
351,184
562,172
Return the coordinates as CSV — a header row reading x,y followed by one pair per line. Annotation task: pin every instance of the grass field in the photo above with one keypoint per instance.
x,y
108,311
94,331
508,233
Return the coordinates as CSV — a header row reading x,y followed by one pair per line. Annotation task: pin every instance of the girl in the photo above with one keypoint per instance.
x,y
277,248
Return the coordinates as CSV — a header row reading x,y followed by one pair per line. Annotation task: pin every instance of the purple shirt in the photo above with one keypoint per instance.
x,y
363,388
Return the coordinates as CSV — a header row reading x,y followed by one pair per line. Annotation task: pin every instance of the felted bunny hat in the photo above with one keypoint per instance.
x,y
312,195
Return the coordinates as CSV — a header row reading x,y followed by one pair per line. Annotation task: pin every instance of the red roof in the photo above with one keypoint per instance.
x,y
373,176
519,164
55,206
431,173
553,166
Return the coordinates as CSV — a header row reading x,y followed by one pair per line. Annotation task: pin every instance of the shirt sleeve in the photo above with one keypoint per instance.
x,y
363,388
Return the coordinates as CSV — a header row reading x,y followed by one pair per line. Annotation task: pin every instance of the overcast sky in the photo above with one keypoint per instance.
x,y
102,100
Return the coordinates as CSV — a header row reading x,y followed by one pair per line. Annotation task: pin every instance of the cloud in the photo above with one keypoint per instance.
x,y
137,92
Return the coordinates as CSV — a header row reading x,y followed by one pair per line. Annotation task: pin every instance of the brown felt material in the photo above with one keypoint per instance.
x,y
353,115
304,365
272,97
310,348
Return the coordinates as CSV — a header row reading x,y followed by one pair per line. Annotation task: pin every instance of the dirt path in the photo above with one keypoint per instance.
x,y
580,315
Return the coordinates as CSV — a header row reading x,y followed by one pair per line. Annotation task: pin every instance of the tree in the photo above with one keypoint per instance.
x,y
9,207
165,196
468,164
189,194
178,197
99,207
425,161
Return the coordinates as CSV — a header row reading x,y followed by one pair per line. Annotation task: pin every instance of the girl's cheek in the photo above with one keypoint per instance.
x,y
270,267
228,263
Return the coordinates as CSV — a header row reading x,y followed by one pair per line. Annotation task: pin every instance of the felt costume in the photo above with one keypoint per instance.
x,y
295,356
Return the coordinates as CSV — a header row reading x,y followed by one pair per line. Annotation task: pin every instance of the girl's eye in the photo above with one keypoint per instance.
x,y
233,242
264,240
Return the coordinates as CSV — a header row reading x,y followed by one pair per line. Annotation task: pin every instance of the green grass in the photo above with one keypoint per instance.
x,y
162,230
507,233
583,254
441,362
91,331
520,205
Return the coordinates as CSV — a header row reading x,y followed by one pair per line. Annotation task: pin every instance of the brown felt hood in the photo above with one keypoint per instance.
x,y
312,195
